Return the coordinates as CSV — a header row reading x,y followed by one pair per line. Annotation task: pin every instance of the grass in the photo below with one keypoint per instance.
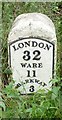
x,y
39,105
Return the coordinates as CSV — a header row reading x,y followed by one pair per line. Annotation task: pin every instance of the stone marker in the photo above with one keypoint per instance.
x,y
32,52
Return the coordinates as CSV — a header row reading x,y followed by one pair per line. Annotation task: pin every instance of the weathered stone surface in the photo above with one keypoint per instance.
x,y
32,25
32,41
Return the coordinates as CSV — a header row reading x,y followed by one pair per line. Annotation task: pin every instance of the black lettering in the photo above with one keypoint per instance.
x,y
34,73
20,45
44,84
36,81
34,44
18,85
31,81
27,55
29,66
34,65
41,45
40,65
28,71
27,44
15,48
31,88
27,81
47,47
40,83
23,64
37,55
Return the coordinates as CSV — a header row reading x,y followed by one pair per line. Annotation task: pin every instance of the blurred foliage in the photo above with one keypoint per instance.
x,y
40,104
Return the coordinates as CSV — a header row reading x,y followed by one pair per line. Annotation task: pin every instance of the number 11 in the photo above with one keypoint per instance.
x,y
29,73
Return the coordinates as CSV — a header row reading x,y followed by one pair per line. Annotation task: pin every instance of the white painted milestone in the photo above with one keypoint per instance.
x,y
31,52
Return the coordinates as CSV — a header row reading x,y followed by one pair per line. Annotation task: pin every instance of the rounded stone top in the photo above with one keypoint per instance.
x,y
32,25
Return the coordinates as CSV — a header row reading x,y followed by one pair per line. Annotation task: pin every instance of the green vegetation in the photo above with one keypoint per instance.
x,y
40,104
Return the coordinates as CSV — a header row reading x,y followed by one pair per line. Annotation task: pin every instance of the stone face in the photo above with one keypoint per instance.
x,y
32,24
32,41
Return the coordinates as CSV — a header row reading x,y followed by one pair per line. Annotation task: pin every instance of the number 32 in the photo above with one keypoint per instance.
x,y
27,56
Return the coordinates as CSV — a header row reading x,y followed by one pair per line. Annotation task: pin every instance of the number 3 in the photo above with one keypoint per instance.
x,y
31,88
27,55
